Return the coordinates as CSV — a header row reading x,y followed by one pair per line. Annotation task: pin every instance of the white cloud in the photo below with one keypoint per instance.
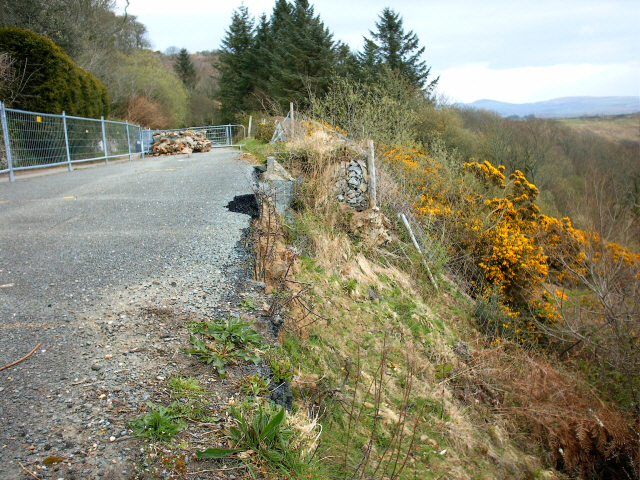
x,y
532,84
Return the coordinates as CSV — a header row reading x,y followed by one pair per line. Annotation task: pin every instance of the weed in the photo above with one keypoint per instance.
x,y
233,331
219,355
263,433
161,423
247,304
185,386
192,411
254,385
282,371
350,286
230,342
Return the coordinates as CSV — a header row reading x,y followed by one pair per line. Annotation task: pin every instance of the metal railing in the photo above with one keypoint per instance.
x,y
38,140
220,136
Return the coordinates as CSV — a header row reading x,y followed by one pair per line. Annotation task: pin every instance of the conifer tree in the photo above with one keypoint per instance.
x,y
303,57
185,69
280,17
397,50
236,64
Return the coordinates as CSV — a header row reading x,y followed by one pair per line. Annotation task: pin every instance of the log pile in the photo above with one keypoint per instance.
x,y
176,143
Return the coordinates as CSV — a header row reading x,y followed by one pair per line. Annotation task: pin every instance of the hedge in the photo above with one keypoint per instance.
x,y
55,83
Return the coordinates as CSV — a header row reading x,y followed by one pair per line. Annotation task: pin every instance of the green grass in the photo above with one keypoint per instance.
x,y
263,150
185,386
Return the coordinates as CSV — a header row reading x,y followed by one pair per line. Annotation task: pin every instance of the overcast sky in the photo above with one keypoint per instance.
x,y
509,50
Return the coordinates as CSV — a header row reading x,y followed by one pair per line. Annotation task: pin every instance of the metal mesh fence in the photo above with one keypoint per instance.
x,y
35,140
117,141
85,139
4,165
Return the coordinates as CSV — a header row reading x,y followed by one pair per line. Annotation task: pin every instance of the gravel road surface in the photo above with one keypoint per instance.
x,y
103,266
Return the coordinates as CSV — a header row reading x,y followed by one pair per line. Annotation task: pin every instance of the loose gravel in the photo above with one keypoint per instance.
x,y
104,266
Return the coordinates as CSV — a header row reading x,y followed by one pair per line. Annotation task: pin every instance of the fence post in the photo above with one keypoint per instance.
x,y
141,133
371,165
104,142
291,114
7,142
228,134
66,140
128,139
250,119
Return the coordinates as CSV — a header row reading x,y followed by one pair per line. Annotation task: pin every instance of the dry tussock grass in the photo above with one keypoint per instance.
x,y
555,410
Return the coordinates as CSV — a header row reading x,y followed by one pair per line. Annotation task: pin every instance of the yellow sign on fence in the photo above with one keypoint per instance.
x,y
38,119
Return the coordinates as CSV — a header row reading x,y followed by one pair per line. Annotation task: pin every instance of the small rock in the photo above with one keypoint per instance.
x,y
96,367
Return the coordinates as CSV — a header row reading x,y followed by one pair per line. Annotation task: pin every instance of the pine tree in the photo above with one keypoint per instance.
x,y
280,17
236,64
397,50
303,57
260,53
185,69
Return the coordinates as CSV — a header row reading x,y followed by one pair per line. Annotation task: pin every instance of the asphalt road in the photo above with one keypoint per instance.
x,y
72,243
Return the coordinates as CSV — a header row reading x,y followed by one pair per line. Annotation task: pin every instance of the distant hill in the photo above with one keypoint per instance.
x,y
563,107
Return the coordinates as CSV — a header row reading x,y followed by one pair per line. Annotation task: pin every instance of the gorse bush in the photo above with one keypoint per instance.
x,y
495,222
53,81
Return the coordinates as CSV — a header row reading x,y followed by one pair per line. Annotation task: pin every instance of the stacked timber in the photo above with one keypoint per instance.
x,y
176,143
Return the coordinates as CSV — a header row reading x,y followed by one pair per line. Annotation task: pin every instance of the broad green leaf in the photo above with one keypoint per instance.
x,y
218,452
273,424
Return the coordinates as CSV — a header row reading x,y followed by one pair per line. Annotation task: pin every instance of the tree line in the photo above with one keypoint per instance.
x,y
291,56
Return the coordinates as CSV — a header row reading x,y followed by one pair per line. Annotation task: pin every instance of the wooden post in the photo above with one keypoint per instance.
x,y
371,165
291,115
250,120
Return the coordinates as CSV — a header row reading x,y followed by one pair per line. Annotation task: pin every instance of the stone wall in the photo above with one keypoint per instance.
x,y
351,184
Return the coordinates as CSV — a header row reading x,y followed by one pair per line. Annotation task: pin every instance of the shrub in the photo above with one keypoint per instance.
x,y
264,132
141,74
54,82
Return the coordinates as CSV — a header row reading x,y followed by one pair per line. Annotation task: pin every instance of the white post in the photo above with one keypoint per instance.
x,y
291,115
250,120
7,142
128,139
140,130
371,165
415,244
66,140
104,142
